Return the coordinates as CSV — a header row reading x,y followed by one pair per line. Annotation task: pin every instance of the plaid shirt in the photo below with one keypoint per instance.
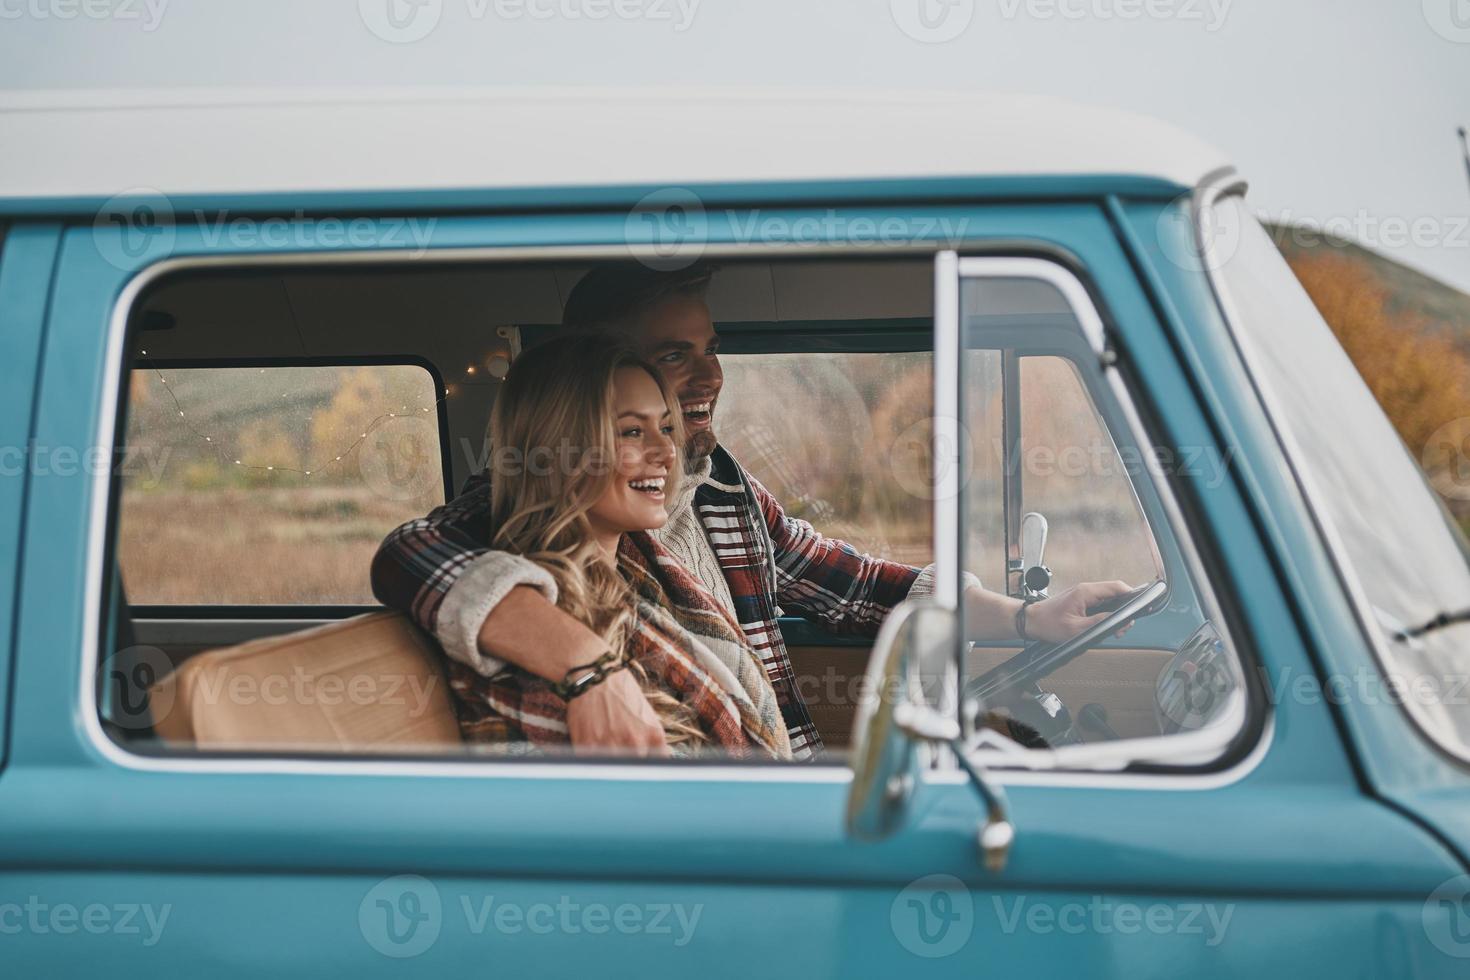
x,y
773,563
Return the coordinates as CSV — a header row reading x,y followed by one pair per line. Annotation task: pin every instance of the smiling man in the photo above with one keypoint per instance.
x,y
488,608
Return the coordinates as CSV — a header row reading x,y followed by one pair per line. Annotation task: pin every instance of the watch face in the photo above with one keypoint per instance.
x,y
1037,578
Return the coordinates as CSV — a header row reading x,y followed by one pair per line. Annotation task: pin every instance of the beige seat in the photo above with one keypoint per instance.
x,y
372,683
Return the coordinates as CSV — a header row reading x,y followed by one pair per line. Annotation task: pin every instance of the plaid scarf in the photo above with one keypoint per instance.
x,y
685,643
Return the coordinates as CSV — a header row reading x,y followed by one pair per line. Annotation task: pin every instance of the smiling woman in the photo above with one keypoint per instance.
x,y
578,531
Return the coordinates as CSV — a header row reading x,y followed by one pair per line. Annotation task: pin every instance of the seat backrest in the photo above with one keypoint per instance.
x,y
373,683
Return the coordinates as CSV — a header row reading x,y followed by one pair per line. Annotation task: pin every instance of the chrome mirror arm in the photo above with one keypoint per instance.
x,y
996,835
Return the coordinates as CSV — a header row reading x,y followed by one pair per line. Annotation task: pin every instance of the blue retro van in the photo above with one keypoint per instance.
x,y
1036,343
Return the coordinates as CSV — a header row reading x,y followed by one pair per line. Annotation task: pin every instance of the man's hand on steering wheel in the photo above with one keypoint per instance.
x,y
1064,615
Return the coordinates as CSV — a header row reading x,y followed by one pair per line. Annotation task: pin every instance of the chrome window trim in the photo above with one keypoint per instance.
x,y
1216,187
947,450
93,599
1192,748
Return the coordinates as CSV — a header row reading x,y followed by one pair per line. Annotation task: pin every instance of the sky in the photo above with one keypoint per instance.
x,y
1341,113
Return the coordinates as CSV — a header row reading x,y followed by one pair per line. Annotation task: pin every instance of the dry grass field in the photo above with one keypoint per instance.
x,y
238,546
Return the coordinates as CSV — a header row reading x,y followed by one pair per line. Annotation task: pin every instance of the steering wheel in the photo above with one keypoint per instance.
x,y
1040,659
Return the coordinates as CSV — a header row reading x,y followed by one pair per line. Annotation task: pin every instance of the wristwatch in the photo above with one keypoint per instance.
x,y
581,679
1021,618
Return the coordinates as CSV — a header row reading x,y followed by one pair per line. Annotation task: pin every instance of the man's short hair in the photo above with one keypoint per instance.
x,y
612,294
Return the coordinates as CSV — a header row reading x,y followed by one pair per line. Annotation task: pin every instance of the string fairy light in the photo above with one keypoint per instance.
x,y
337,458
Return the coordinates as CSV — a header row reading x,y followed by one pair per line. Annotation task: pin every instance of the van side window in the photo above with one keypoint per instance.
x,y
271,485
1074,474
841,439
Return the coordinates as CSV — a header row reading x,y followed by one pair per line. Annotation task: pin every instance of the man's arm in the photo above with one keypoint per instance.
x,y
420,561
827,580
439,570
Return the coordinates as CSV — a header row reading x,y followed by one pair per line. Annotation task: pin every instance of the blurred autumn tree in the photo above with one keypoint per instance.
x,y
1418,374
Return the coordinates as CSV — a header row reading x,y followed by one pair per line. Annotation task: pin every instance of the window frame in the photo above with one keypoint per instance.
x,y
1213,749
288,611
1255,738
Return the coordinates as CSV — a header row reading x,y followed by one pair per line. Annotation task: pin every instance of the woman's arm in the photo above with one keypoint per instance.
x,y
490,608
525,629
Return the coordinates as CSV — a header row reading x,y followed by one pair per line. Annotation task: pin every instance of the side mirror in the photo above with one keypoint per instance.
x,y
897,729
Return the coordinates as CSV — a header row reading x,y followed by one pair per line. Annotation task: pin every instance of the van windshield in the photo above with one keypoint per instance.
x,y
1410,559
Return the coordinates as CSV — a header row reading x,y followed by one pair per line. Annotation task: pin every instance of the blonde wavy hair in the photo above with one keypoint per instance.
x,y
553,440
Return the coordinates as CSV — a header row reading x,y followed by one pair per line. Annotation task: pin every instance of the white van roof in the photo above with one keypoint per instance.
x,y
90,144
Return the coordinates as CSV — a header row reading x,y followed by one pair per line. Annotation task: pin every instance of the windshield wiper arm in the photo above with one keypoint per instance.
x,y
1437,623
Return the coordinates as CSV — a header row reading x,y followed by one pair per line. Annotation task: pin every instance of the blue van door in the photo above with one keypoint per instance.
x,y
308,866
